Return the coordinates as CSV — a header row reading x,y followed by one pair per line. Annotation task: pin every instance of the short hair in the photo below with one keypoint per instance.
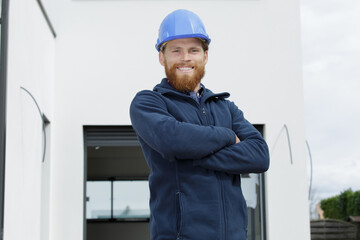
x,y
204,44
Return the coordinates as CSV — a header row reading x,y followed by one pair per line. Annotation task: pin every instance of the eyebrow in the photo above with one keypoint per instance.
x,y
175,47
178,47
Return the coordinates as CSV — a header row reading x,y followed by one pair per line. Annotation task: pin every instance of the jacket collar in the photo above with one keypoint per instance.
x,y
165,88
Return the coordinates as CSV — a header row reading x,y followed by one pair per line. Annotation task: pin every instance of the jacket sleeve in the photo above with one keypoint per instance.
x,y
251,155
173,139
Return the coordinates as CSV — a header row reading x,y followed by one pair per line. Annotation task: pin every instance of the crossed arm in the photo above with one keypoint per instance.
x,y
173,139
250,155
234,150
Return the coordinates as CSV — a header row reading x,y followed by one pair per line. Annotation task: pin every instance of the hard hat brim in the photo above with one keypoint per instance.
x,y
202,36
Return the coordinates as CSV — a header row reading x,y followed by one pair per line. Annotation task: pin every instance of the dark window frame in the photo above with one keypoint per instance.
x,y
105,136
263,234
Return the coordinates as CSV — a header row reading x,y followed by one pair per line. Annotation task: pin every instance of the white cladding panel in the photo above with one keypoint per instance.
x,y
105,54
31,56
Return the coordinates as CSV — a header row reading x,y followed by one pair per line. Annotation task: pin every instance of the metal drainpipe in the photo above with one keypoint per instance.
x,y
3,85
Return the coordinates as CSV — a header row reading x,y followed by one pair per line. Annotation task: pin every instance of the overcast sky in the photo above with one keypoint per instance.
x,y
331,74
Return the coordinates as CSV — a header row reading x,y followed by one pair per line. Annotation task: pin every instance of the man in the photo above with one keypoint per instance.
x,y
196,143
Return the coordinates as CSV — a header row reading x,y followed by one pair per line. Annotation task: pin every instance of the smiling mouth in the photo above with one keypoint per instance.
x,y
185,69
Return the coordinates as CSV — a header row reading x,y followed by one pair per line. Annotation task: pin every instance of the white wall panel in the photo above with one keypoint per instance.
x,y
30,65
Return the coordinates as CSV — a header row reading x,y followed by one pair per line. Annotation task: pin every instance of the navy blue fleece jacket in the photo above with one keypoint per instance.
x,y
195,190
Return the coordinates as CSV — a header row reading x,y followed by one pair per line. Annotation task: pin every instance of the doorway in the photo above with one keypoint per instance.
x,y
116,186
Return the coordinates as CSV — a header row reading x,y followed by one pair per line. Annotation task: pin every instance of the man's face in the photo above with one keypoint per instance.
x,y
184,61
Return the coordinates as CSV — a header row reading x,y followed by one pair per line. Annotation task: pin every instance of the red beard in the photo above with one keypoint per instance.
x,y
184,83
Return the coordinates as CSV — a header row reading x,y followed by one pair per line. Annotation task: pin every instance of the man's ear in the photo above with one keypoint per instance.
x,y
161,58
206,56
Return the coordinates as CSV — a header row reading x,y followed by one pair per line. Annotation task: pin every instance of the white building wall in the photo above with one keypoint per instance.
x,y
31,58
105,53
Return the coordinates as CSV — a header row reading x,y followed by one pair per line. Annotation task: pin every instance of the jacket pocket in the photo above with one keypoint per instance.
x,y
236,181
179,215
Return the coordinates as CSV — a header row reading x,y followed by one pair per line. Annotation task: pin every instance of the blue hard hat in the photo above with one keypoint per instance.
x,y
181,24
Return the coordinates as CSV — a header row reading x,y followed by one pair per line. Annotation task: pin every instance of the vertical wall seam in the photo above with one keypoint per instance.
x,y
3,91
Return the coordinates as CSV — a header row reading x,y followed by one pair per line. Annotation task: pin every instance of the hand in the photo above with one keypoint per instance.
x,y
237,139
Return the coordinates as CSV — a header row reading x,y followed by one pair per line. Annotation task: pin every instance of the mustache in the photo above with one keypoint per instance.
x,y
184,65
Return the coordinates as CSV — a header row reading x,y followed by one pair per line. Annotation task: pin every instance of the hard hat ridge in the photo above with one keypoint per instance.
x,y
181,24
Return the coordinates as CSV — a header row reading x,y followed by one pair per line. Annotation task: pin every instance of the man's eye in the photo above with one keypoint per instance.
x,y
175,51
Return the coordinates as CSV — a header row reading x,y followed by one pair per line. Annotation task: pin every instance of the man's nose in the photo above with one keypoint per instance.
x,y
185,56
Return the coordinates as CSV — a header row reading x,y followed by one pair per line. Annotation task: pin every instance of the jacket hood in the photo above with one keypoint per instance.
x,y
165,88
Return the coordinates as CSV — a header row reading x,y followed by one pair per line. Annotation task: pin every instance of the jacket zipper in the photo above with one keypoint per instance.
x,y
221,192
203,112
178,205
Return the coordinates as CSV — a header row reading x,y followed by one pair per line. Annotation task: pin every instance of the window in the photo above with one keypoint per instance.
x,y
118,200
131,199
98,200
251,185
